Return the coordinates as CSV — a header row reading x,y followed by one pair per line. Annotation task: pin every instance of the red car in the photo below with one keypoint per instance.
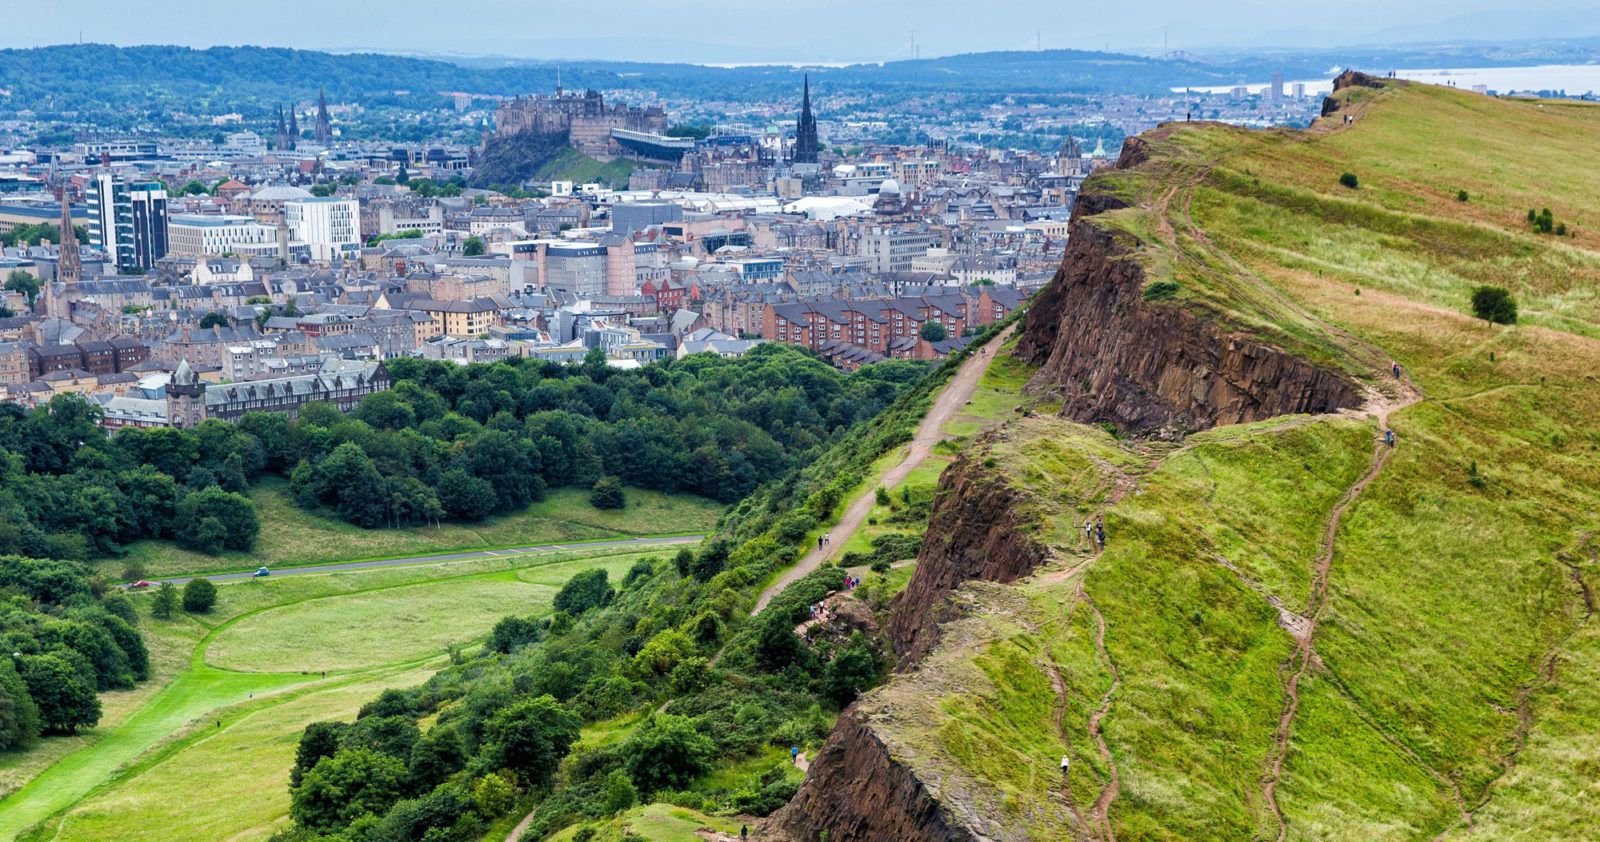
x,y
142,583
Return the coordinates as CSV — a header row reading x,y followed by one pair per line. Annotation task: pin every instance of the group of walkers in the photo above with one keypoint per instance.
x,y
1094,533
822,539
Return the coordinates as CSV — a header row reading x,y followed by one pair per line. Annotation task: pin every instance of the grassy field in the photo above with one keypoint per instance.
x,y
574,166
1456,659
254,664
291,536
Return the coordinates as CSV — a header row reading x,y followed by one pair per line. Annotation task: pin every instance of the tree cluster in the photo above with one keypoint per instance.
x,y
61,641
67,490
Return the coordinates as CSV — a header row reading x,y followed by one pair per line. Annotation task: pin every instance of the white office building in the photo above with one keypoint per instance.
x,y
329,227
206,235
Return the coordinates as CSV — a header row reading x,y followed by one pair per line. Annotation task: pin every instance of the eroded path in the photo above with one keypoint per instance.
x,y
1379,407
929,433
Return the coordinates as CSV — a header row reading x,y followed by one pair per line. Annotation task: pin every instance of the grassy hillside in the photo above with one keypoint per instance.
x,y
218,723
1447,685
292,536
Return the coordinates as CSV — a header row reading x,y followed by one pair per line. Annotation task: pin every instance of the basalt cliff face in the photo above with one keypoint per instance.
x,y
857,790
976,531
1149,367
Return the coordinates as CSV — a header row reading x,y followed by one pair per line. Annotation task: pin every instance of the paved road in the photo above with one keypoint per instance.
x,y
449,557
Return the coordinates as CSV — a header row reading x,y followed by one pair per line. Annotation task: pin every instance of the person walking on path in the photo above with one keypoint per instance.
x,y
819,542
1088,534
744,832
794,755
1388,437
1100,532
1396,367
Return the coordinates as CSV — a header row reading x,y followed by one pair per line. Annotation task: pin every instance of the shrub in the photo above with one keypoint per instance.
x,y
607,494
668,751
1494,304
1161,291
1349,180
584,591
933,332
1461,195
199,595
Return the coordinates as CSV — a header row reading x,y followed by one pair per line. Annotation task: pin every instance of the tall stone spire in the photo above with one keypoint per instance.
x,y
69,268
294,128
281,140
805,135
324,128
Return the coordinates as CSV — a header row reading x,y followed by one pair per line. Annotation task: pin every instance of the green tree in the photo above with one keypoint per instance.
x,y
667,752
439,754
166,601
493,794
619,793
23,282
213,319
64,700
346,786
607,494
933,332
472,247
318,740
851,671
465,497
530,737
211,520
1494,304
585,590
19,716
199,595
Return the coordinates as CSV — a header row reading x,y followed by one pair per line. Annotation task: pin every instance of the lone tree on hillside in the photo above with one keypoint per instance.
x,y
607,494
166,601
199,595
1494,304
1349,180
933,332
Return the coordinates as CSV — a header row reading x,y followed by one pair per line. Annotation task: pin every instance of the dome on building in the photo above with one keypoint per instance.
x,y
279,193
890,186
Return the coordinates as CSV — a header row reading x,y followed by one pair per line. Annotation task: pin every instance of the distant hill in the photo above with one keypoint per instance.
x,y
252,80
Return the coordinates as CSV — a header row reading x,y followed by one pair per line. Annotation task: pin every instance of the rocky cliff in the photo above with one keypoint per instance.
x,y
856,790
976,531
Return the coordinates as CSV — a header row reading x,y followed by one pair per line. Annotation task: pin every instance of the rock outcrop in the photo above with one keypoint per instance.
x,y
1349,79
975,531
1151,367
857,791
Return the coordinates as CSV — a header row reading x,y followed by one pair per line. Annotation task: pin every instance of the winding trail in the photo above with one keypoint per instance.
x,y
1100,813
1379,407
929,433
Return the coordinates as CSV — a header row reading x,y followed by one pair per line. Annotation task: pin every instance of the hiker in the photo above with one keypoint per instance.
x,y
1388,437
1396,371
744,832
1088,534
1100,532
794,755
1065,761
819,542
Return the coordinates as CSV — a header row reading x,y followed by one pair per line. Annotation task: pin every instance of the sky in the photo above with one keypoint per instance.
x,y
733,31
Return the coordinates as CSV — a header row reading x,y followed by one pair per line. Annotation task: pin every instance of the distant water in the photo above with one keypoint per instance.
x,y
1573,78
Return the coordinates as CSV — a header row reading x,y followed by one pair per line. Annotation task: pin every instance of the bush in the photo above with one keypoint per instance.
x,y
1494,304
584,591
530,738
933,332
607,494
1161,291
1349,180
1461,196
668,751
199,595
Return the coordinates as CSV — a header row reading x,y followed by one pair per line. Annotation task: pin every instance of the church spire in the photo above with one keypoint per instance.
x,y
69,268
324,127
281,141
294,127
805,135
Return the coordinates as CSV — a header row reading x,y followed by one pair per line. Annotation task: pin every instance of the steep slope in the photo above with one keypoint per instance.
x,y
1294,630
